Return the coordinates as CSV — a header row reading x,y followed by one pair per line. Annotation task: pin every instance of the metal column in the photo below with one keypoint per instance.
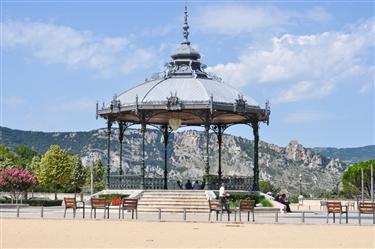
x,y
109,127
143,131
220,142
207,160
255,126
165,137
120,138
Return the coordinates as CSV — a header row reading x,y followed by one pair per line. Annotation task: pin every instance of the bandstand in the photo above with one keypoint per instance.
x,y
183,95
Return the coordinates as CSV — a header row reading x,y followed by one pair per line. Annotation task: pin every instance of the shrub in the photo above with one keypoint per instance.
x,y
43,202
35,202
266,203
16,181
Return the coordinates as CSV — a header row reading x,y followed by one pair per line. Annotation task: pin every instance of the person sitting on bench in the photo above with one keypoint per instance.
x,y
282,199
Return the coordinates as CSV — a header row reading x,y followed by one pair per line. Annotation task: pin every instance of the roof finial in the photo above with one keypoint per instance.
x,y
186,28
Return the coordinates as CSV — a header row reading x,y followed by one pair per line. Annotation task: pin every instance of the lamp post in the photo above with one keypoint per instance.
x,y
92,179
300,184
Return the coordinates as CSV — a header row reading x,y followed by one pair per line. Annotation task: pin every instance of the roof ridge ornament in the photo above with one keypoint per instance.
x,y
186,28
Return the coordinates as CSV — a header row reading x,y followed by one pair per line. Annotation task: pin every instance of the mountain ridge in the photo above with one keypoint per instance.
x,y
280,165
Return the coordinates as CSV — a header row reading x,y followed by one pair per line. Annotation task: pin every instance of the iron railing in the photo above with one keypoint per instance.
x,y
135,182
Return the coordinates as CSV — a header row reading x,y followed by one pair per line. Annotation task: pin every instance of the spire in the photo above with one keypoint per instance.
x,y
186,29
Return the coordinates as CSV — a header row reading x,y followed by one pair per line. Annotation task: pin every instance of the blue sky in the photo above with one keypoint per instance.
x,y
313,60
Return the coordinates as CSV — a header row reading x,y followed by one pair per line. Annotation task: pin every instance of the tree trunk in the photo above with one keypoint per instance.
x,y
55,195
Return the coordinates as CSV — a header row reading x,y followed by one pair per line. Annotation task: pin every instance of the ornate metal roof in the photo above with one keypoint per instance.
x,y
186,81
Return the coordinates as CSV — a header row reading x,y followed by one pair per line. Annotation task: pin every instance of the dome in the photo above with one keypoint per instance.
x,y
186,89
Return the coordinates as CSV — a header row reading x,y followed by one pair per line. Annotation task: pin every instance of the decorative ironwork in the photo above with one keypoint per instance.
x,y
240,105
109,127
186,28
173,103
135,182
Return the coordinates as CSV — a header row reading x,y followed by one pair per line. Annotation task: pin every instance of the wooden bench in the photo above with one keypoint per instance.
x,y
128,204
73,204
247,206
366,208
335,207
99,203
216,206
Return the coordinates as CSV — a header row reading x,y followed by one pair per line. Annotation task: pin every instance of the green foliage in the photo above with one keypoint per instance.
x,y
266,203
56,168
293,199
34,166
266,186
234,199
20,159
351,179
43,202
78,173
24,155
7,158
99,173
243,196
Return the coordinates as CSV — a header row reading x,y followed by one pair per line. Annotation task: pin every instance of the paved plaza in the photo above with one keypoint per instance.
x,y
317,217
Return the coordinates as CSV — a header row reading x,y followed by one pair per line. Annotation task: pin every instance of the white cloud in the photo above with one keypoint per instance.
x,y
58,44
306,117
306,66
304,90
235,19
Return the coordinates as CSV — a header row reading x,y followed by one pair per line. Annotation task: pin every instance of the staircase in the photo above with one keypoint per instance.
x,y
173,201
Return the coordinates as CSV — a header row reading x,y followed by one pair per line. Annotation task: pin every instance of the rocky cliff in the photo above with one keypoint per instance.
x,y
280,165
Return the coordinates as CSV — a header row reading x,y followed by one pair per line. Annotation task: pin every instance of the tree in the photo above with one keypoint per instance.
x,y
7,158
78,174
98,171
24,155
16,181
351,178
34,166
266,186
55,169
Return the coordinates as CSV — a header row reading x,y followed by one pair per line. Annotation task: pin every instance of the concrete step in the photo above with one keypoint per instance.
x,y
174,198
172,201
171,195
173,210
163,204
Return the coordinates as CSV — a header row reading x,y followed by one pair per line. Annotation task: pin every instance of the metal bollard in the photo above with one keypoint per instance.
x,y
303,217
159,214
18,211
42,212
277,217
184,213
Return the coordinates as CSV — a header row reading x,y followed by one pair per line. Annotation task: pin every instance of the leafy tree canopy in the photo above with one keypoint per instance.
x,y
266,186
351,179
55,169
25,154
99,172
7,158
78,173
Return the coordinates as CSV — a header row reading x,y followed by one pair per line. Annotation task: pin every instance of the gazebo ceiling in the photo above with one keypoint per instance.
x,y
184,91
